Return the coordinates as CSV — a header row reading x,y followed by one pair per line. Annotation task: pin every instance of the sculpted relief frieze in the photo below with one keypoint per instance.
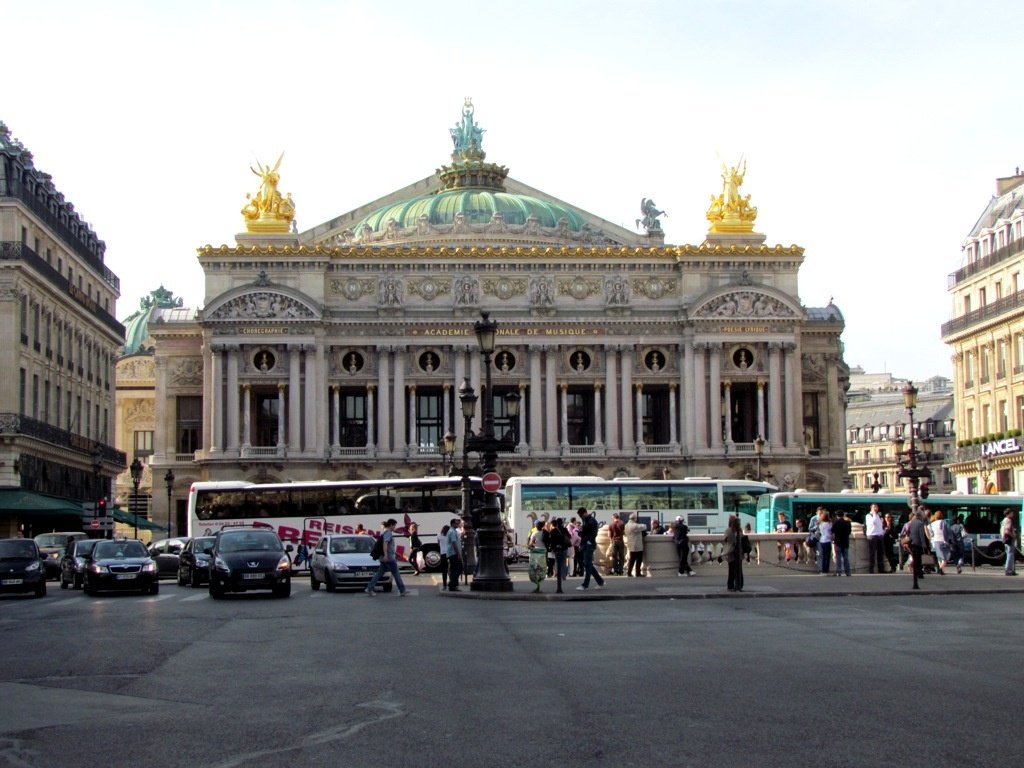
x,y
262,305
140,368
505,287
140,411
745,304
353,288
429,289
187,372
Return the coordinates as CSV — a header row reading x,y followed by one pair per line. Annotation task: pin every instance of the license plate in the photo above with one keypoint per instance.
x,y
10,582
253,575
126,576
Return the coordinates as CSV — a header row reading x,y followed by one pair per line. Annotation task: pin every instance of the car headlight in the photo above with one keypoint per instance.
x,y
33,566
284,563
202,562
338,566
149,567
220,565
97,568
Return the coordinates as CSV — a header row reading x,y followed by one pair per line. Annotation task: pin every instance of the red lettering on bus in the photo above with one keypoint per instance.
x,y
287,533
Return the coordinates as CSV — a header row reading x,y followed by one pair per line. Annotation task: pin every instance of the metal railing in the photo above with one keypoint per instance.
x,y
980,265
988,312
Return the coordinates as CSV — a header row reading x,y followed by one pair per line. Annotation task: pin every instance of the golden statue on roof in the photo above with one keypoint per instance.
x,y
267,210
731,212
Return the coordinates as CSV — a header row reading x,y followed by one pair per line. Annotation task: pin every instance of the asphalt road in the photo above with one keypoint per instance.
x,y
345,680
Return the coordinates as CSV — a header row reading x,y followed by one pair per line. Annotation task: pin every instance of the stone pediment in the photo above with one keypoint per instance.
x,y
261,304
746,304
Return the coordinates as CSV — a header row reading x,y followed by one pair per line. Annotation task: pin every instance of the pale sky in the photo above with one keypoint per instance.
x,y
873,130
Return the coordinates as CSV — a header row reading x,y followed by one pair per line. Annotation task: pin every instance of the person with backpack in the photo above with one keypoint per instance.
x,y
588,543
388,560
732,552
940,540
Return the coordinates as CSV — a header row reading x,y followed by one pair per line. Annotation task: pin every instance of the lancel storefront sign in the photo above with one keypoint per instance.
x,y
1001,447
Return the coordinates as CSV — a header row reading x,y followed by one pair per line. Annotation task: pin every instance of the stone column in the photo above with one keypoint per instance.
x,y
687,392
414,443
524,445
165,428
551,441
628,442
383,401
760,409
217,384
371,427
672,419
311,444
727,426
792,413
639,387
400,446
563,388
700,397
294,420
232,407
598,437
775,435
715,393
281,444
611,405
446,408
323,409
246,417
336,415
536,440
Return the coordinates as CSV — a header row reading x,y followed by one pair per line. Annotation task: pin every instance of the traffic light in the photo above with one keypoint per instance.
x,y
924,490
101,508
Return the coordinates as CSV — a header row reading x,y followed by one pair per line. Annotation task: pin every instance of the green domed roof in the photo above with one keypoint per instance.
x,y
477,206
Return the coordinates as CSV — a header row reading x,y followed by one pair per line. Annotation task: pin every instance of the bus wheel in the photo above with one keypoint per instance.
x,y
996,550
432,559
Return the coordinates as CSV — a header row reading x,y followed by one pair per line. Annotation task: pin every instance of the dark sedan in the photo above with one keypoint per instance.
x,y
120,566
166,554
249,558
74,563
21,569
194,562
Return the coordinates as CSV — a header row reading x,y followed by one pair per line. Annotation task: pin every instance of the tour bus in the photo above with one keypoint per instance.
x,y
704,503
981,513
302,512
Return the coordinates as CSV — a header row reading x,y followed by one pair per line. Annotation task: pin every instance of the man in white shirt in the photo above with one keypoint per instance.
x,y
874,529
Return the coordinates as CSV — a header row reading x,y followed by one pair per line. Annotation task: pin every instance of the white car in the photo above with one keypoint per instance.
x,y
343,561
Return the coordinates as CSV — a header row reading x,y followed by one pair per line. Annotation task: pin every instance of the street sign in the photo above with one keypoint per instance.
x,y
491,482
95,524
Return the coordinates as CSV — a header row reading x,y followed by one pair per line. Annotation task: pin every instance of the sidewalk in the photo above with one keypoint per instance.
x,y
759,581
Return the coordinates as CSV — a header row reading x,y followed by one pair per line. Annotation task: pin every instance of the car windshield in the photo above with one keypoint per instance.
x,y
346,545
111,550
198,545
17,548
52,540
250,541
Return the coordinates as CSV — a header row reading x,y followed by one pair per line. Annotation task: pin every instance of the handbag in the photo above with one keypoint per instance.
x,y
905,541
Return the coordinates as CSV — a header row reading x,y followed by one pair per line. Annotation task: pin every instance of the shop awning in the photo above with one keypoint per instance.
x,y
15,501
127,518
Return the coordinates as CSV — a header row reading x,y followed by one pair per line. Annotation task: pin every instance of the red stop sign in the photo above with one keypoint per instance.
x,y
94,524
491,482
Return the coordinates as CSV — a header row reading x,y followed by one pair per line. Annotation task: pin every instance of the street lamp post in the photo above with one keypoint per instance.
x,y
136,470
907,461
169,482
491,575
759,452
875,486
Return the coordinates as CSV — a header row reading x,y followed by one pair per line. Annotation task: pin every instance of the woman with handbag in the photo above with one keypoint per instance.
x,y
732,552
1009,534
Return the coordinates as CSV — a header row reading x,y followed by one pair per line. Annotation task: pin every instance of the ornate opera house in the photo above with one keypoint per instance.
x,y
339,352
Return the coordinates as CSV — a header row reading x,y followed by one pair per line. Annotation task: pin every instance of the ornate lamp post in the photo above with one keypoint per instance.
x,y
136,470
98,493
169,482
491,575
875,485
467,399
907,461
759,452
985,470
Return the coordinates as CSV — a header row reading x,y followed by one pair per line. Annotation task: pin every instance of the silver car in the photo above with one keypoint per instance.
x,y
343,561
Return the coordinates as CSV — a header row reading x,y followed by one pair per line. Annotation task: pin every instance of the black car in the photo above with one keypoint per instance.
x,y
121,565
166,553
244,559
21,567
194,562
52,547
74,563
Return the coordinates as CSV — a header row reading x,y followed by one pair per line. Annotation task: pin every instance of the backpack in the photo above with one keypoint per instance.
x,y
378,548
745,545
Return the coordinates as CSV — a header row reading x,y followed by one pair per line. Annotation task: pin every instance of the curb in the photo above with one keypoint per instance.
x,y
604,595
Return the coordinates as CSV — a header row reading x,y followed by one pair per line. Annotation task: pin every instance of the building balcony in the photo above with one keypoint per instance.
x,y
980,265
16,424
978,317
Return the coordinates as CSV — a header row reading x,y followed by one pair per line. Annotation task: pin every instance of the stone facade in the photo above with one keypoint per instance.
x,y
338,352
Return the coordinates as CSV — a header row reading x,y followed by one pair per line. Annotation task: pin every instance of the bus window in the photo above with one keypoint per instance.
x,y
542,498
595,498
695,497
645,497
739,502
